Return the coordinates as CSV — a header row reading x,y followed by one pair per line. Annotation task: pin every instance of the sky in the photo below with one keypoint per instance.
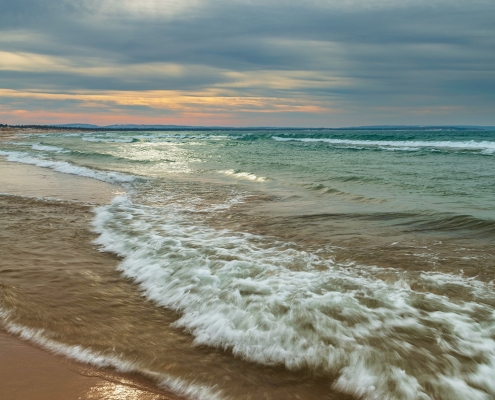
x,y
305,63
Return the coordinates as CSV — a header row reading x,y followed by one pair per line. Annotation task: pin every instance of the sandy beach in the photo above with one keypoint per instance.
x,y
134,265
28,371
31,373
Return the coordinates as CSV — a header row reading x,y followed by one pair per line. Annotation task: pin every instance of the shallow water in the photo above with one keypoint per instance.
x,y
297,264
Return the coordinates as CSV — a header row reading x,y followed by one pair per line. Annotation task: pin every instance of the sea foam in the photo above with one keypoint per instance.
x,y
42,147
270,303
243,175
67,168
108,140
486,147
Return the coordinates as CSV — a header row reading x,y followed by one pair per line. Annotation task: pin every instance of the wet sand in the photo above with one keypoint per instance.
x,y
56,285
26,371
58,292
28,180
30,373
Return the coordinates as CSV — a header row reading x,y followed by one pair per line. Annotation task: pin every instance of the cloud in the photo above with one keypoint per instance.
x,y
209,101
305,56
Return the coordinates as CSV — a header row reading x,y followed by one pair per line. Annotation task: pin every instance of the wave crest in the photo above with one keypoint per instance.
x,y
270,303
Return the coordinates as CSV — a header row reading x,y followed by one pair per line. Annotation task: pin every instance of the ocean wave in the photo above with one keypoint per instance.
x,y
269,303
442,222
75,154
323,189
405,148
19,143
100,359
67,168
42,147
405,145
178,138
244,175
39,146
467,225
477,288
155,137
108,140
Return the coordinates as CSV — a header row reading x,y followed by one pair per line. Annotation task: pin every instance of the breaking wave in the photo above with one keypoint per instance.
x,y
67,168
270,303
244,175
487,147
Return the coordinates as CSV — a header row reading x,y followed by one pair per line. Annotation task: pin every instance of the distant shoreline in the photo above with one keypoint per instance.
x,y
178,128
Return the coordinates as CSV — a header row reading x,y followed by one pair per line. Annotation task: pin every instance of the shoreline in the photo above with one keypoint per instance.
x,y
28,370
25,180
213,293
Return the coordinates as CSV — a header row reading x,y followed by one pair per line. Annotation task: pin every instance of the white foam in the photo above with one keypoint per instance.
x,y
19,143
191,203
409,145
67,168
405,148
488,151
474,286
41,147
244,175
272,304
157,137
191,390
107,140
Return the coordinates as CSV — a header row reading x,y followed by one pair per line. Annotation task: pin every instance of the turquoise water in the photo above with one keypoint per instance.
x,y
363,256
441,180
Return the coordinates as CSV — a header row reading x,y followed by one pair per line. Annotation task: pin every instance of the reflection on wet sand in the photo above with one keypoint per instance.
x,y
27,372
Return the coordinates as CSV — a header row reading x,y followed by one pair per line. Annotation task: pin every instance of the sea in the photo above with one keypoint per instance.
x,y
284,264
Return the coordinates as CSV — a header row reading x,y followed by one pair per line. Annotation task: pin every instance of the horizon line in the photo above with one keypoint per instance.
x,y
165,127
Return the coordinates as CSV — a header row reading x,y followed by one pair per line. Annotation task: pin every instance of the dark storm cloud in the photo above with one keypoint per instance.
x,y
435,53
